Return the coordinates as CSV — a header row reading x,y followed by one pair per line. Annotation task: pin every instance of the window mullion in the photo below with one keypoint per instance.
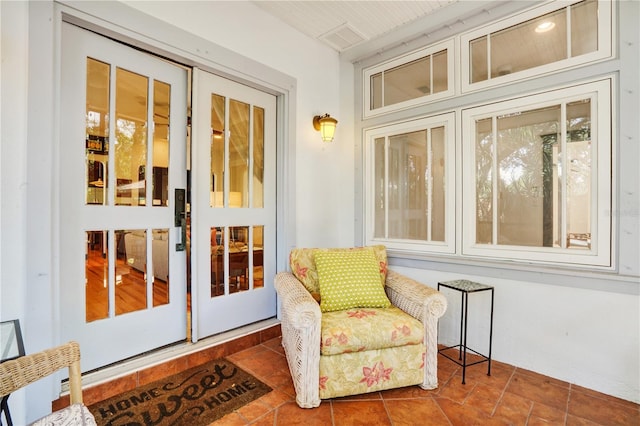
x,y
565,172
149,278
488,56
568,20
494,179
250,164
430,74
226,184
382,100
148,176
227,151
386,187
429,182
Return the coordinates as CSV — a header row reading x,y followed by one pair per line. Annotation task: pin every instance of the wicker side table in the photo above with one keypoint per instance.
x,y
465,287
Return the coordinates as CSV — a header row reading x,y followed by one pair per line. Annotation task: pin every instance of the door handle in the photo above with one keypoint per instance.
x,y
180,217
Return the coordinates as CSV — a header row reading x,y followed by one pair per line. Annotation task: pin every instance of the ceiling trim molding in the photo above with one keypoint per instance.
x,y
441,24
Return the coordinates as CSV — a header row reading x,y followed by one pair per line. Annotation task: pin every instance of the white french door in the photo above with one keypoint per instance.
x,y
122,156
233,201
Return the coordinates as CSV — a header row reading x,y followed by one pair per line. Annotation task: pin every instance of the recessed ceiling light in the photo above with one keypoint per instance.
x,y
545,26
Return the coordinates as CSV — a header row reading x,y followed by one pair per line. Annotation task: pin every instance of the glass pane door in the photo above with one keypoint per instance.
x,y
123,115
233,213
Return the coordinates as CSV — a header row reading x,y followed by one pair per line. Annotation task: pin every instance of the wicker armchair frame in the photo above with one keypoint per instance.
x,y
301,319
27,369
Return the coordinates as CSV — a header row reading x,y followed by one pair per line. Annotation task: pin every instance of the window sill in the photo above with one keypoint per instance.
x,y
608,280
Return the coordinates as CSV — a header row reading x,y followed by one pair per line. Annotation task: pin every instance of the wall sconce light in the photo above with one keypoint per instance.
x,y
326,125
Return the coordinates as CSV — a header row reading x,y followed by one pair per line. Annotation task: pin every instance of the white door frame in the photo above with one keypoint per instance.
x,y
162,39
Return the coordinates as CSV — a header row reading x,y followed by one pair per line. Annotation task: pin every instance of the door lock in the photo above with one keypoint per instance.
x,y
180,217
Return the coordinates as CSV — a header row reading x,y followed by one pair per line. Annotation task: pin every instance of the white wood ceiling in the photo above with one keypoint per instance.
x,y
342,24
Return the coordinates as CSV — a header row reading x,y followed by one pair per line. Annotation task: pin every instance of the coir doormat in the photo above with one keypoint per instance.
x,y
197,396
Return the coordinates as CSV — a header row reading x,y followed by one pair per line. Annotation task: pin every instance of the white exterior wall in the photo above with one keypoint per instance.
x,y
586,335
582,336
580,327
13,150
324,203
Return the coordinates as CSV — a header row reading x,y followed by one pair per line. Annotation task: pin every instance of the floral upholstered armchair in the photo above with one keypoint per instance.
x,y
350,326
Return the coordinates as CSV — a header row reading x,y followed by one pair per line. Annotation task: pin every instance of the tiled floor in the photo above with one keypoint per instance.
x,y
510,396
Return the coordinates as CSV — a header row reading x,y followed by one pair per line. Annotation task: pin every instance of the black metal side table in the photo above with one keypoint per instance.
x,y
466,287
11,347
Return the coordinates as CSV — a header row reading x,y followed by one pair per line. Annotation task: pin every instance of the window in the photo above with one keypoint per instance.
x,y
413,79
410,198
532,179
544,39
537,177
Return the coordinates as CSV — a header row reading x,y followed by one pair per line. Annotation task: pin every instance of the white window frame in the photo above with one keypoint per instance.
x,y
605,41
416,246
600,254
448,45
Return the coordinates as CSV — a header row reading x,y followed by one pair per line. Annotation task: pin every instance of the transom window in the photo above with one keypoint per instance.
x,y
544,39
419,77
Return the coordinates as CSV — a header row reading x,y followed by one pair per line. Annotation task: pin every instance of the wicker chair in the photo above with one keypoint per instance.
x,y
22,371
302,339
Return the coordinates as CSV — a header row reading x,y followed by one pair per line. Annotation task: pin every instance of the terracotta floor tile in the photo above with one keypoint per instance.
x,y
290,414
206,355
60,403
264,363
107,390
446,374
510,396
542,378
278,379
539,389
609,398
603,411
100,392
243,343
543,414
416,412
275,345
360,397
161,371
287,389
231,419
268,419
254,410
500,375
514,409
275,398
534,421
460,415
484,398
365,413
457,355
250,353
271,333
578,421
456,391
408,392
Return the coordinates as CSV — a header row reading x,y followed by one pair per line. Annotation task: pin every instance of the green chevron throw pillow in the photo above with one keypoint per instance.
x,y
349,279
